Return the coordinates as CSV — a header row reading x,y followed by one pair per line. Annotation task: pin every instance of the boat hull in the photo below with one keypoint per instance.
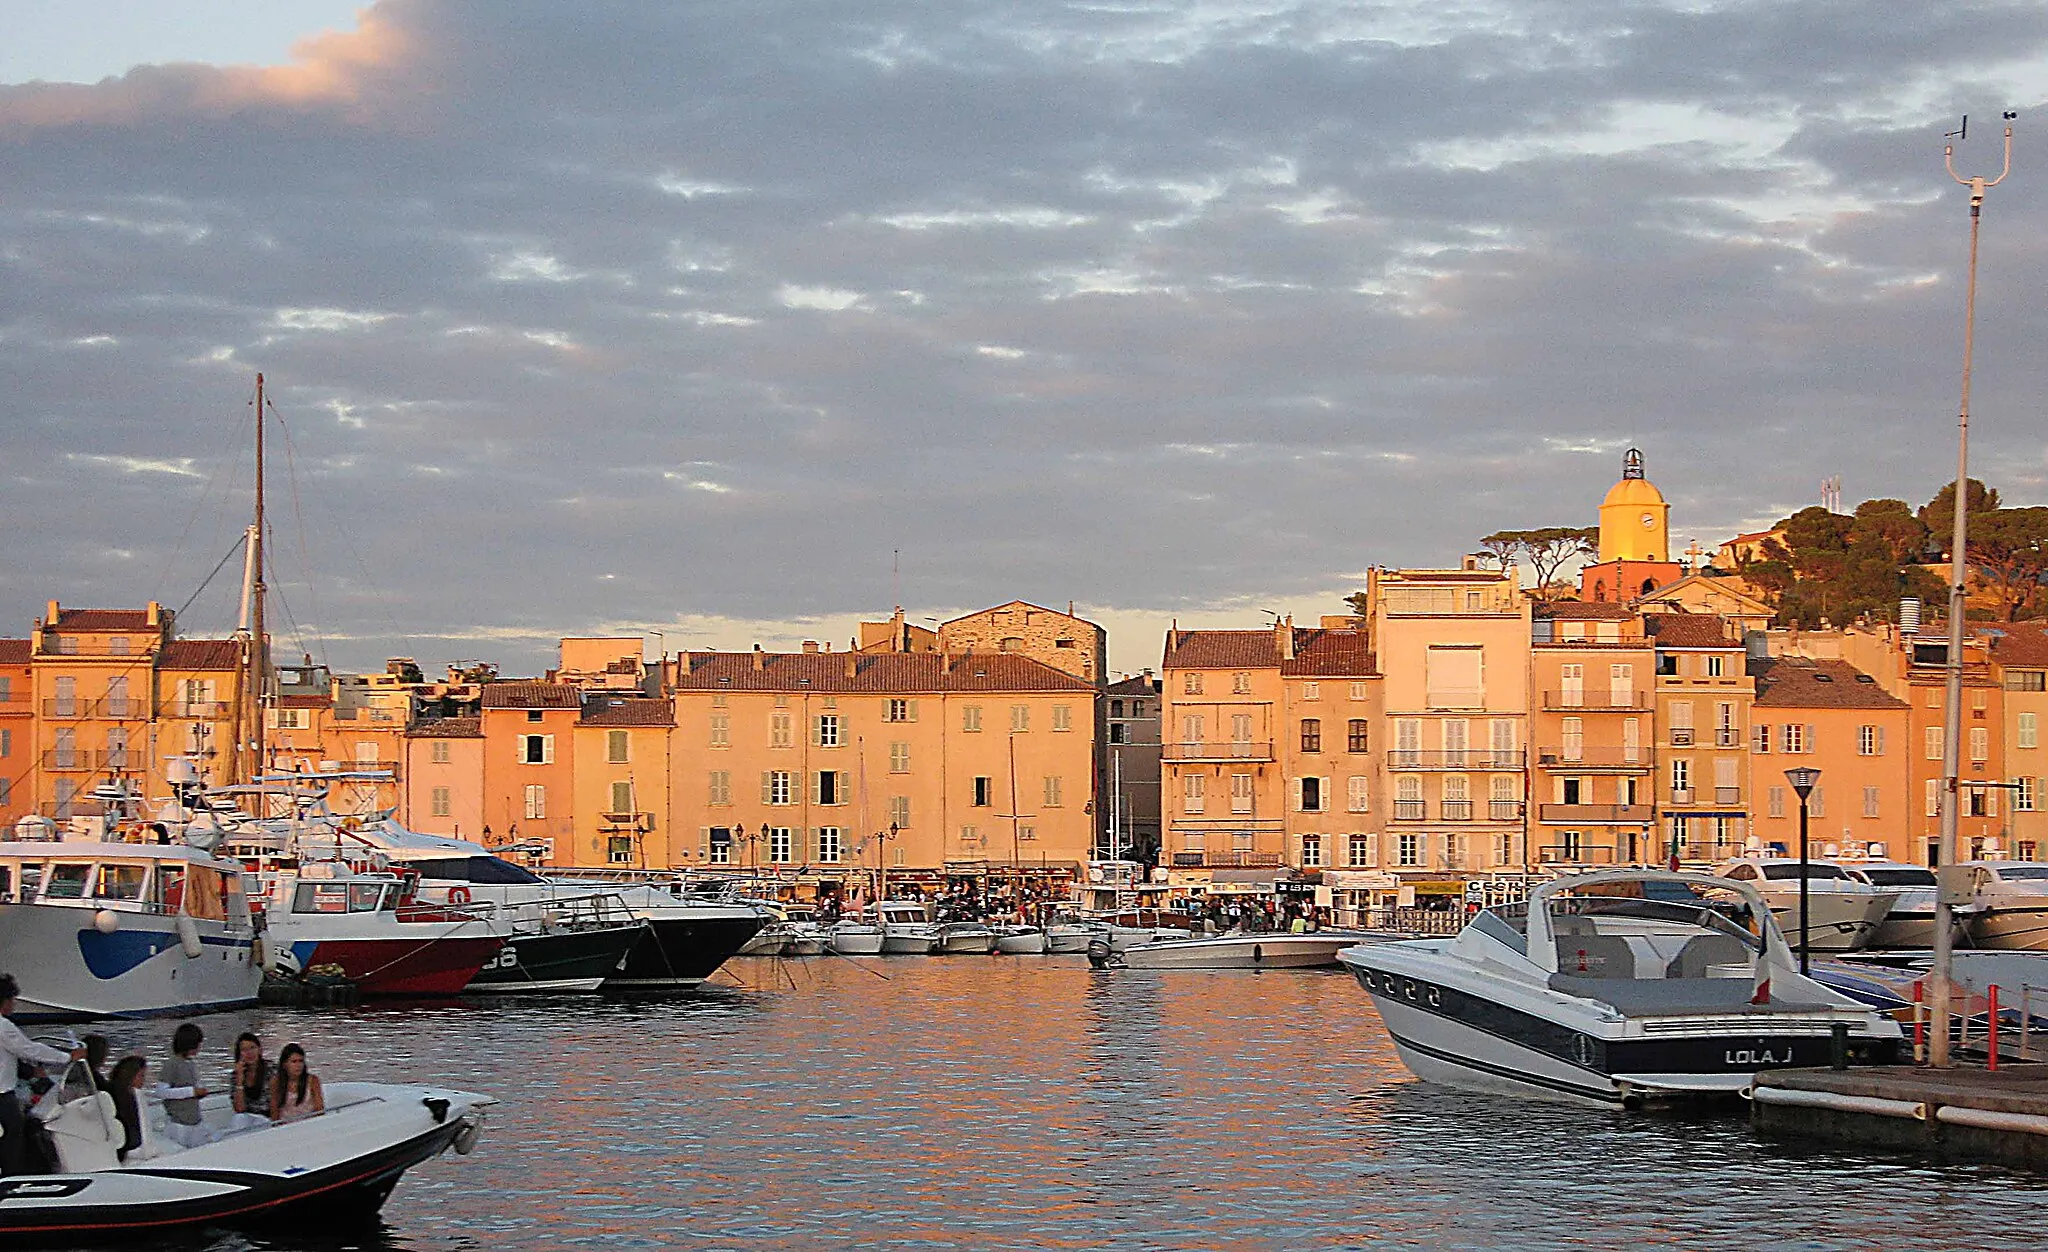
x,y
1274,951
676,952
2011,929
909,941
556,961
964,941
855,941
1069,940
72,972
1840,921
402,966
1021,943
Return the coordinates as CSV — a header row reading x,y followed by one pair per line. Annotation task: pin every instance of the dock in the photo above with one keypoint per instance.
x,y
1968,1113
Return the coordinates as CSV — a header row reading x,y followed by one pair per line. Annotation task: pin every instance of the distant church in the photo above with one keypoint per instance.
x,y
1635,540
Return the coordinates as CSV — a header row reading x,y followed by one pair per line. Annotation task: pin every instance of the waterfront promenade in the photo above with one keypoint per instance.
x,y
992,1104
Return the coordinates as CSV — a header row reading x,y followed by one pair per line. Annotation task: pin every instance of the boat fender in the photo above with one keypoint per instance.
x,y
458,895
465,1139
106,921
438,1107
259,953
188,936
1258,954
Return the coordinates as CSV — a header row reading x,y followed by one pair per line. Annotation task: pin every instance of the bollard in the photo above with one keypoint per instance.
x,y
1919,1024
1991,1031
1838,1045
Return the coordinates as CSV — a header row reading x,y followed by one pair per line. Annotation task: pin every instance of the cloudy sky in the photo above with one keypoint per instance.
x,y
687,317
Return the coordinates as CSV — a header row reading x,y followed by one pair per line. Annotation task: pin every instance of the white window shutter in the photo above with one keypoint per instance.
x,y
1991,802
547,749
913,710
767,786
1372,848
1880,741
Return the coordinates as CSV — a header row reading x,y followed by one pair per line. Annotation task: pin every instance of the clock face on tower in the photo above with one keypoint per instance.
x,y
1649,521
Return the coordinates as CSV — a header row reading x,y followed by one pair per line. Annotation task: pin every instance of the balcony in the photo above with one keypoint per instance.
x,y
117,759
1609,701
1232,750
1566,854
1455,758
69,710
1727,795
65,760
1456,810
629,820
1577,759
196,708
1503,810
1226,860
1681,736
1411,810
1596,814
1727,737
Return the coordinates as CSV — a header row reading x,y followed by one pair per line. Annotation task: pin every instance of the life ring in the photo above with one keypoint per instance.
x,y
458,895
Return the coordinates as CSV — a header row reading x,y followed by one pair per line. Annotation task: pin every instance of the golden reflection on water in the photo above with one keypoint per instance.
x,y
1020,1102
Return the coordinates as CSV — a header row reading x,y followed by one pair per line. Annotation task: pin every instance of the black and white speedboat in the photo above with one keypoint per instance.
x,y
1620,988
335,1166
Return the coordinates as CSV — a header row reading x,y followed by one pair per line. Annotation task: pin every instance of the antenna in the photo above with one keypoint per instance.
x,y
1831,494
896,576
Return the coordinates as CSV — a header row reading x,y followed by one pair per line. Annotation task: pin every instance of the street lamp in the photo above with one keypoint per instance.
x,y
1802,780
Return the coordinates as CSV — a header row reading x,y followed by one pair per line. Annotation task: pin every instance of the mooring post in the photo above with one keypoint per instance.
x,y
1991,1030
1919,1023
1838,1045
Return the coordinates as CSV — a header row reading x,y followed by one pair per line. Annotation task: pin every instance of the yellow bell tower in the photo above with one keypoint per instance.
x,y
1635,522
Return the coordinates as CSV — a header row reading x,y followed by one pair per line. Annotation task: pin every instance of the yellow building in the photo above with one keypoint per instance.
x,y
1593,719
443,773
624,779
1635,520
2020,654
1704,693
17,733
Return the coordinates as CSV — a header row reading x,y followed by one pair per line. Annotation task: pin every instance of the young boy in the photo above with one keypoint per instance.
x,y
178,1087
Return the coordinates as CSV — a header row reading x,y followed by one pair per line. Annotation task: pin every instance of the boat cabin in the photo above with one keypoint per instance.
x,y
168,880
1632,930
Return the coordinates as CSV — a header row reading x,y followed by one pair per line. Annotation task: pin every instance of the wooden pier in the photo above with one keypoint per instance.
x,y
1961,1114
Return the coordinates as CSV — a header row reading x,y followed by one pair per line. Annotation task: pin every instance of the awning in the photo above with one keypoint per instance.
x,y
1360,880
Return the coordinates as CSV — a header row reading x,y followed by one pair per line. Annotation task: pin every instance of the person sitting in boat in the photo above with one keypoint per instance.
x,y
18,1051
296,1093
178,1087
130,1073
254,1078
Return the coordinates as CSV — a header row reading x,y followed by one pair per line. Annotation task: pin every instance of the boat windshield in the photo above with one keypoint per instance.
x,y
489,871
1814,870
1903,876
1665,931
2023,873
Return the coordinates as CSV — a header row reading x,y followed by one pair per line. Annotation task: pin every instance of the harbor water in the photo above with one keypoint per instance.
x,y
1000,1103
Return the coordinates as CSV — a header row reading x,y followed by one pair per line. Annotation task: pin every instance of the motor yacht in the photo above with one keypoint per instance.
x,y
1017,940
1070,938
334,1167
1617,987
2011,906
329,913
1844,911
1243,950
853,937
907,930
963,938
1910,922
100,924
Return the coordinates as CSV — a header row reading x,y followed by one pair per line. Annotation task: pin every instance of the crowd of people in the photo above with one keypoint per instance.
x,y
261,1092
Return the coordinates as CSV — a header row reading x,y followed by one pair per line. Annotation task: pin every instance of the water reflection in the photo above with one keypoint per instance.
x,y
995,1103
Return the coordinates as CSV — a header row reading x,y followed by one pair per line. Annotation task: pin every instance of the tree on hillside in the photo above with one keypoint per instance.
x,y
1888,527
2009,549
1546,550
1939,514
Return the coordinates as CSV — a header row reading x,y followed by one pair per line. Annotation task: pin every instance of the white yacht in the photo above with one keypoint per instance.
x,y
1910,923
1069,938
2011,904
1020,940
854,937
1845,911
907,930
1241,950
958,938
1618,987
98,926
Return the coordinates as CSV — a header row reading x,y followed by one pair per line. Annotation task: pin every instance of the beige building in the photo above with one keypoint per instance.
x,y
2020,654
1593,718
1704,693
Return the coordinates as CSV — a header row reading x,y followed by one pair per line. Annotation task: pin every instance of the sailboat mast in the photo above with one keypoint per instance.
x,y
259,640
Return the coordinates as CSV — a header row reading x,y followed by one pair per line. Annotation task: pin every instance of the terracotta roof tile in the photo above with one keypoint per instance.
x,y
318,701
202,654
1221,649
99,620
447,728
531,695
1332,654
871,672
1690,630
1585,611
601,710
15,652
1798,683
2024,644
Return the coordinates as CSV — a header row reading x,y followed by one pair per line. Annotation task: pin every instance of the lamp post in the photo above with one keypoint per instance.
x,y
1802,780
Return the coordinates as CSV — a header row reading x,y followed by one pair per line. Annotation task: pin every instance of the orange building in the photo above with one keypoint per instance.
x,y
2020,655
1704,693
1593,731
624,776
17,734
1830,716
444,772
529,772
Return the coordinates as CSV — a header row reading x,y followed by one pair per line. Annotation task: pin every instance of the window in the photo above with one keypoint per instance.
x,y
984,791
1062,717
1714,664
1116,733
1408,849
1936,742
1817,802
1455,677
1681,779
1980,743
1571,681
1241,728
1360,850
1796,737
2023,793
536,802
721,845
2027,733
1759,738
1572,734
532,715
899,757
1240,793
1311,691
1872,797
1681,722
1631,741
721,730
1311,734
1241,683
778,730
619,850
1311,795
1358,691
622,797
721,787
1026,834
970,834
1311,851
901,711
1358,793
1020,718
1407,743
2026,680
779,849
533,749
1870,741
1191,788
1621,686
777,787
437,752
442,804
1724,726
899,812
6,743
1116,708
831,787
1457,803
1355,737
970,718
829,845
615,747
827,729
1055,791
1456,739
1191,683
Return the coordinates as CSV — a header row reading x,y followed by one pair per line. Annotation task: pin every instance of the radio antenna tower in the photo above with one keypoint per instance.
x,y
1831,494
1940,984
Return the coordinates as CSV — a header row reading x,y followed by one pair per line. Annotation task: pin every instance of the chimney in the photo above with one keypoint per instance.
x,y
810,647
156,612
1283,637
899,635
852,666
50,617
760,660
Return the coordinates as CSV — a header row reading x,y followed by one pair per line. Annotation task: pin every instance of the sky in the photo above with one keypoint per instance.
x,y
724,323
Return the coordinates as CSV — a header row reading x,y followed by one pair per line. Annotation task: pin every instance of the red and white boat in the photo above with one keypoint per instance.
x,y
367,924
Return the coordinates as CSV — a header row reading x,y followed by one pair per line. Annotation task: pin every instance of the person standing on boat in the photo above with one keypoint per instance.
x,y
17,1050
178,1087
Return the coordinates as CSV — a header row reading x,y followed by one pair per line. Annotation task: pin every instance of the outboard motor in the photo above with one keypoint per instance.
x,y
1100,954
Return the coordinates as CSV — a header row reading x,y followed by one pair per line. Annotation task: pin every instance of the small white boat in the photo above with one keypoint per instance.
x,y
906,929
1020,940
1238,950
333,1167
2011,905
1844,912
855,938
964,938
1069,938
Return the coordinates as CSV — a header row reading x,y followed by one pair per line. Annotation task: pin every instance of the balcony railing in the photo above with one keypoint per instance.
x,y
1595,814
1455,758
1228,750
1503,810
195,708
1226,860
64,759
1411,810
1583,854
1456,810
1568,757
1727,737
1727,795
67,710
1598,701
1681,736
627,820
